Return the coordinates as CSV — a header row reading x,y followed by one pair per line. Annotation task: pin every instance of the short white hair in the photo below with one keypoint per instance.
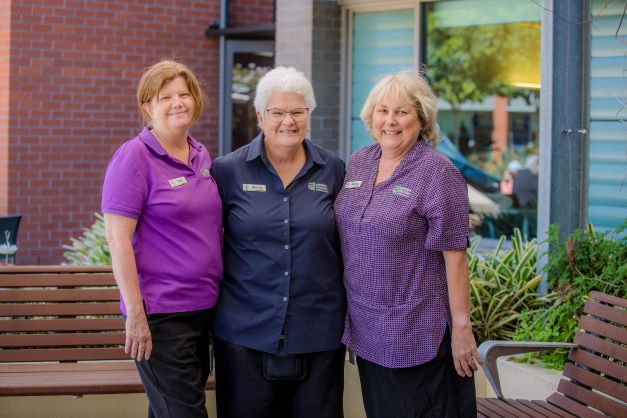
x,y
287,80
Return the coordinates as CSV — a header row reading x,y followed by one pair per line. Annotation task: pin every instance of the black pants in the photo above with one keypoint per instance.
x,y
243,392
430,390
174,378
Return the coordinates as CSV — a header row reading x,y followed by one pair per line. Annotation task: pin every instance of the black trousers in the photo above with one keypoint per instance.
x,y
243,392
430,390
175,376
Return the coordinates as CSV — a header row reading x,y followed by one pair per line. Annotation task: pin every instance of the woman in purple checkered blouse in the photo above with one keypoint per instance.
x,y
403,223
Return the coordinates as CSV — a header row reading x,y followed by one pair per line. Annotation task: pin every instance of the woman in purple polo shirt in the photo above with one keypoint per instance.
x,y
403,223
163,219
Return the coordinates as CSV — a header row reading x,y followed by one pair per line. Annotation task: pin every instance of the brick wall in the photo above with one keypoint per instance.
x,y
5,37
74,69
250,12
308,38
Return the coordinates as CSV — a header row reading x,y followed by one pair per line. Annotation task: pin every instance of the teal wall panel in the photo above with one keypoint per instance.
x,y
607,181
383,42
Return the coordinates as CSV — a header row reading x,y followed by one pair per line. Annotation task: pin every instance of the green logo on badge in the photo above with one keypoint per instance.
x,y
402,191
317,187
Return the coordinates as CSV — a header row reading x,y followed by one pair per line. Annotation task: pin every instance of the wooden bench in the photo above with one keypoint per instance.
x,y
61,333
595,379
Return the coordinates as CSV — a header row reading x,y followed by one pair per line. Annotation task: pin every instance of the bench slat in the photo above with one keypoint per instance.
x,y
54,309
601,346
598,382
54,269
59,295
61,340
37,280
501,409
605,312
73,379
541,409
587,397
96,324
597,363
533,412
554,409
612,300
605,329
572,406
484,411
63,354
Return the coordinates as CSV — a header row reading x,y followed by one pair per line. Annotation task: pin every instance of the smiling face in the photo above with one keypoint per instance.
x,y
172,109
395,126
283,133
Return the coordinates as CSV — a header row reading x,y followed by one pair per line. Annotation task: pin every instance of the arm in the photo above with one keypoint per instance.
x,y
119,231
464,347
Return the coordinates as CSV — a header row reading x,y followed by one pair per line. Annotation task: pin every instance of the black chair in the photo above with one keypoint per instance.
x,y
9,226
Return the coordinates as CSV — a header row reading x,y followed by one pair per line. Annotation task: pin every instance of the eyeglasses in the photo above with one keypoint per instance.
x,y
298,115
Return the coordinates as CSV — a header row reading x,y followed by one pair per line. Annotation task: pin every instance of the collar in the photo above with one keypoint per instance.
x,y
149,139
256,150
416,150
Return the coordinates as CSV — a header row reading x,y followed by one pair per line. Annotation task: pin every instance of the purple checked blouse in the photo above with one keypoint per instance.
x,y
392,237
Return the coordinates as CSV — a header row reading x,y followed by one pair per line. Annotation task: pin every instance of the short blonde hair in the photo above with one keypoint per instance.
x,y
406,87
160,74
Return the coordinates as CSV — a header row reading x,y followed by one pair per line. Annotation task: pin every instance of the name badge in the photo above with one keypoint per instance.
x,y
179,181
254,187
402,191
353,184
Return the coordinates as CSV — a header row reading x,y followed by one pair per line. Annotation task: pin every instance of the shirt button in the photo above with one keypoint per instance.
x,y
287,247
285,221
284,299
285,199
287,273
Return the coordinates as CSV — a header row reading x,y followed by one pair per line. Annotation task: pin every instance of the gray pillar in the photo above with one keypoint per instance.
x,y
564,117
308,38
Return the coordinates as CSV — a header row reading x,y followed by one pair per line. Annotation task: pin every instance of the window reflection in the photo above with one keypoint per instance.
x,y
483,58
248,68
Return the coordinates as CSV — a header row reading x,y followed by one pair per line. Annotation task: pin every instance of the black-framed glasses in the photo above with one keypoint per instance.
x,y
299,114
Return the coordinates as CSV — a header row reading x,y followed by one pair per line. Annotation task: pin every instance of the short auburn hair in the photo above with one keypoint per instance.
x,y
160,74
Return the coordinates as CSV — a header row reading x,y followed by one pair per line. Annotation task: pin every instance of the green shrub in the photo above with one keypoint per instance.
x,y
586,261
91,247
503,285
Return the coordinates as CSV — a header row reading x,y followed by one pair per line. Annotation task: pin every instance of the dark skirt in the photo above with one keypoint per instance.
x,y
430,390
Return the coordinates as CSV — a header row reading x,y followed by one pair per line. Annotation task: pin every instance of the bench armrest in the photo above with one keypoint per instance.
x,y
490,350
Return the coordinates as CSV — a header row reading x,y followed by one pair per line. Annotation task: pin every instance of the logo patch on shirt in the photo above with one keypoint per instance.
x,y
353,184
179,181
317,187
254,187
205,172
402,191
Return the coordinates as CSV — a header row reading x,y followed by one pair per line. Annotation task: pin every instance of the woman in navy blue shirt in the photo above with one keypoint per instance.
x,y
280,316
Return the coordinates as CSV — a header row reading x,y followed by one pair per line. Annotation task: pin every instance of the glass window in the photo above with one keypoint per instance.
x,y
483,59
383,42
246,62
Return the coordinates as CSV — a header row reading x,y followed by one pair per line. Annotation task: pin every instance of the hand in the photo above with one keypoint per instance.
x,y
465,356
138,338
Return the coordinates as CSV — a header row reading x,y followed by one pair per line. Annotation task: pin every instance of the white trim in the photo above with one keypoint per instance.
x,y
545,129
362,6
417,37
345,57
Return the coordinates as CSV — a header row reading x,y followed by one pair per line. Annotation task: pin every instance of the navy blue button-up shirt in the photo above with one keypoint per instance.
x,y
282,262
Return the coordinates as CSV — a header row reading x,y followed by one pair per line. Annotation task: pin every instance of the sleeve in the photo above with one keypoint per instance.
x,y
125,189
218,168
447,210
340,173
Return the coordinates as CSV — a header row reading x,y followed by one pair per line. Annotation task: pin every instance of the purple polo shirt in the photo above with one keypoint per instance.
x,y
178,238
392,237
